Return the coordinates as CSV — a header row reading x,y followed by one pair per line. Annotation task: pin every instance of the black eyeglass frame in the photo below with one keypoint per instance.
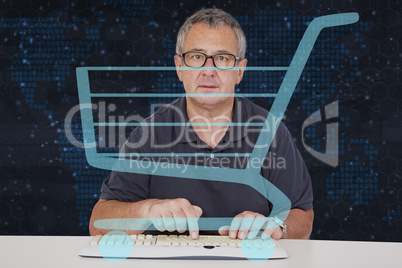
x,y
210,57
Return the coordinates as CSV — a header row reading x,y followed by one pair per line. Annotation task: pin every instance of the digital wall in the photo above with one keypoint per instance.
x,y
48,188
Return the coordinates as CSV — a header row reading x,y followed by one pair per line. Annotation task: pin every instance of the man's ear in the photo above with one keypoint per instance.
x,y
177,62
242,63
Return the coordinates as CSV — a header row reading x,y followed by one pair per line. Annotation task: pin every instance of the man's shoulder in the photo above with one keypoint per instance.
x,y
251,108
256,113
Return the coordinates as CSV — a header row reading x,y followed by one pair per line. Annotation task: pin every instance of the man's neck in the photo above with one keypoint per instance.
x,y
198,113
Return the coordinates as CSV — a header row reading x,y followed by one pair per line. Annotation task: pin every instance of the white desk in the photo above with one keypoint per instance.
x,y
62,251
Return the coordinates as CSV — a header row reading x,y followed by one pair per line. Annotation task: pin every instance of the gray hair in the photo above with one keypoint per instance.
x,y
214,18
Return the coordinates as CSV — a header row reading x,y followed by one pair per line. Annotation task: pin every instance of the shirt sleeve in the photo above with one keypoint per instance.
x,y
288,171
127,186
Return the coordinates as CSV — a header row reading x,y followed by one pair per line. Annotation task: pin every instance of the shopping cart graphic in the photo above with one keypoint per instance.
x,y
281,203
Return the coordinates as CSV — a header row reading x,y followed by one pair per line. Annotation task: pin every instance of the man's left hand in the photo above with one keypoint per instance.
x,y
250,222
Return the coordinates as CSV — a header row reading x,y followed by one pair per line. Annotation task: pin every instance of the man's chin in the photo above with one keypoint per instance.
x,y
209,101
208,90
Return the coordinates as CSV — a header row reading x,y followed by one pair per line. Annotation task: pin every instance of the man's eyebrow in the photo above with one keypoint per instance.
x,y
203,50
224,51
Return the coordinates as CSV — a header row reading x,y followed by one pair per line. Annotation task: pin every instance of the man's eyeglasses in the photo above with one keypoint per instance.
x,y
198,59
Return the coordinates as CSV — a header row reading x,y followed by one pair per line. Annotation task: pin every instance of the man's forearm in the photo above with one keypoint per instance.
x,y
299,224
114,209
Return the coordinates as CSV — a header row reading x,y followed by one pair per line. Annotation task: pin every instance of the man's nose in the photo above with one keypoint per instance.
x,y
209,63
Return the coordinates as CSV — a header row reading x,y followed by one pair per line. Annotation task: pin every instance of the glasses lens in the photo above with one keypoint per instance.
x,y
225,61
194,59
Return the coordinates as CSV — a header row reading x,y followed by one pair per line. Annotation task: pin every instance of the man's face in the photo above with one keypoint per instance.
x,y
210,41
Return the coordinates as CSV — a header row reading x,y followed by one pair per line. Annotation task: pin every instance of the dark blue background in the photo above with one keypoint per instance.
x,y
46,186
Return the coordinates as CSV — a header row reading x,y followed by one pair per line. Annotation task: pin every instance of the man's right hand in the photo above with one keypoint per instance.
x,y
175,214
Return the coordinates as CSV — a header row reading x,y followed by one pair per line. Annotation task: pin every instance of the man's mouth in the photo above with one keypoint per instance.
x,y
208,86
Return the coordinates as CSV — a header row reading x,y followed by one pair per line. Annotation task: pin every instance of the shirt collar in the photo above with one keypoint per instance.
x,y
187,133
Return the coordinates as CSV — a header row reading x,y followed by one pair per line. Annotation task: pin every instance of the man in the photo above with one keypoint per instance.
x,y
210,38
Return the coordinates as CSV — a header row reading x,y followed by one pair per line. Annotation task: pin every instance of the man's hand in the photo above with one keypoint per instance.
x,y
175,214
253,222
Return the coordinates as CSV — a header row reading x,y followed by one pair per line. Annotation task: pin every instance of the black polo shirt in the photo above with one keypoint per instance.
x,y
283,166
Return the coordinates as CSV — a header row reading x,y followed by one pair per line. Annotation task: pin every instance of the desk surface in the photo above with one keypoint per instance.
x,y
62,251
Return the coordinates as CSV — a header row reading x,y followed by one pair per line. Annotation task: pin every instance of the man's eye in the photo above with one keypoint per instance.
x,y
222,58
197,57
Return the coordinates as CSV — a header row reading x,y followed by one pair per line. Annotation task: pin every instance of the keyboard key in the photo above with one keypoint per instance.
x,y
120,240
96,240
104,240
112,240
163,240
139,242
148,240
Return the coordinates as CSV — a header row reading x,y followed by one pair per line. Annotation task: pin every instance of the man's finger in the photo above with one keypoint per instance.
x,y
224,230
258,224
245,226
198,210
234,226
180,221
158,224
192,214
267,234
169,224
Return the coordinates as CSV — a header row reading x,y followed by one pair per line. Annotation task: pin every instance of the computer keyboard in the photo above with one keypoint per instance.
x,y
181,247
